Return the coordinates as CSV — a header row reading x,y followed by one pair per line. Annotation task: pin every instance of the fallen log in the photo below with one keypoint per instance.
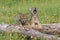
x,y
31,32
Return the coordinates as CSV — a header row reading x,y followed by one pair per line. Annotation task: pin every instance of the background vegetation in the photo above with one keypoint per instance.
x,y
49,12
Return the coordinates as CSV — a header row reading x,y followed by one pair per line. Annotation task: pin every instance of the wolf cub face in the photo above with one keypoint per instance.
x,y
23,19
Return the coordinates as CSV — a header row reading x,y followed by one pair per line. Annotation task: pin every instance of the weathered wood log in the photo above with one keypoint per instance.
x,y
31,31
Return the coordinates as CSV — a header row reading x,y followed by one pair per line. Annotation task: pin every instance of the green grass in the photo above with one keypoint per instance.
x,y
49,12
